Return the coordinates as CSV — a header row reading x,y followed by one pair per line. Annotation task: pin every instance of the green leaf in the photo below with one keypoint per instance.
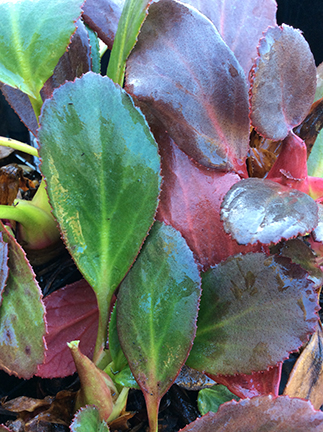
x,y
315,160
102,169
34,35
95,50
22,325
156,313
209,399
132,16
254,311
88,420
117,355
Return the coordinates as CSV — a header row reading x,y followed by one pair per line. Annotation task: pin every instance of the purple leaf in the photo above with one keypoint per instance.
x,y
265,211
240,23
207,114
265,413
283,82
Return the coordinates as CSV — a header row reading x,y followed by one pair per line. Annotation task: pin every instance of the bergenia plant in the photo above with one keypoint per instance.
x,y
149,180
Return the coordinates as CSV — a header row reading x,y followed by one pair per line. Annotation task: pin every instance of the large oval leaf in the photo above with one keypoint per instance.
x,y
190,201
265,211
156,312
34,35
240,24
105,194
265,413
283,82
188,77
254,311
22,325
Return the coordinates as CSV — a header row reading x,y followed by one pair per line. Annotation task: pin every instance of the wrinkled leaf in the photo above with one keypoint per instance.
x,y
265,413
71,314
131,19
88,420
103,16
265,211
190,201
256,384
254,311
207,114
96,386
240,24
156,313
283,82
114,176
74,62
210,399
21,351
4,270
306,379
35,35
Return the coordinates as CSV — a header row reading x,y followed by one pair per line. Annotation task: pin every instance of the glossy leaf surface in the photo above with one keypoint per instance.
x,y
71,314
200,95
35,35
261,414
210,399
20,350
283,82
190,201
73,63
156,312
88,420
131,19
256,384
103,16
306,378
240,24
114,176
254,310
265,211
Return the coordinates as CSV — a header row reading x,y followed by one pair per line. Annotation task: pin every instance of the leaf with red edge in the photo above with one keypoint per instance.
x,y
254,311
240,23
4,270
256,384
156,313
103,16
74,62
200,95
88,419
265,211
283,82
290,168
263,413
72,314
22,324
190,201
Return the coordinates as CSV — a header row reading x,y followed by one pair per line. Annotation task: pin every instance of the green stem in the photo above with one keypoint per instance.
x,y
102,336
17,145
152,404
36,104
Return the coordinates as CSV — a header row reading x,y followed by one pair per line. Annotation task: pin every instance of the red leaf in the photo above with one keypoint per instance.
x,y
72,314
190,201
257,384
283,82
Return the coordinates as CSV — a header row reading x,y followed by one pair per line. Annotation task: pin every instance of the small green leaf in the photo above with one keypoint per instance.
x,y
22,325
315,160
132,16
34,35
102,169
95,50
209,399
88,420
156,313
